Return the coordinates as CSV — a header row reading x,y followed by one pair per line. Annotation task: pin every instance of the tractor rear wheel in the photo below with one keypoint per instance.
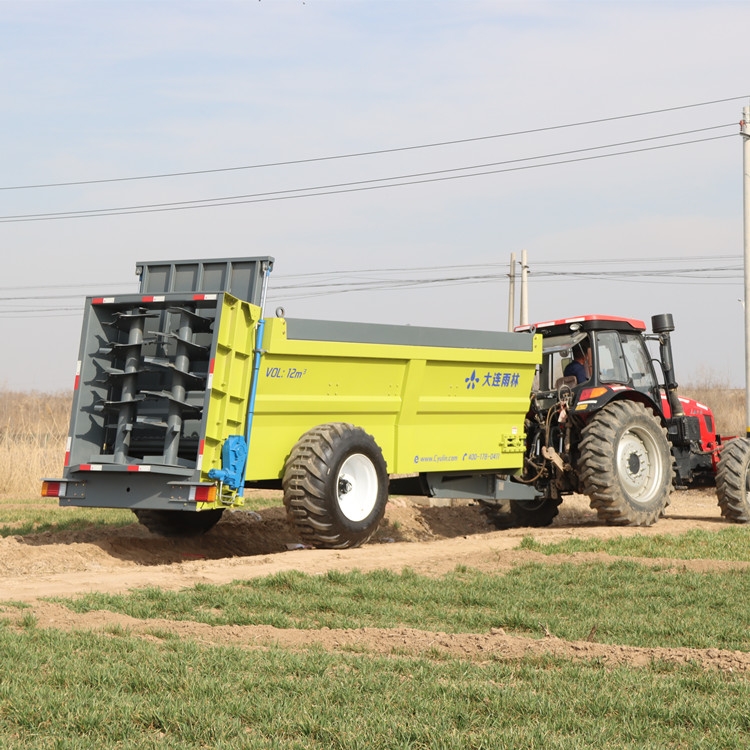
x,y
733,480
335,486
625,464
178,523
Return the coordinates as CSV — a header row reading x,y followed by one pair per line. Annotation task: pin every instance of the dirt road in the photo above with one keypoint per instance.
x,y
429,540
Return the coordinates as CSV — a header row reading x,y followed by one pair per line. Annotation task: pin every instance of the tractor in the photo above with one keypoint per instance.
x,y
605,421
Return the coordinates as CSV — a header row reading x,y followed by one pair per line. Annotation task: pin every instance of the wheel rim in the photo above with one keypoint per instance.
x,y
639,465
357,487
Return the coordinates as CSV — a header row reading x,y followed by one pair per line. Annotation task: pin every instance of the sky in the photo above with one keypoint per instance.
x,y
100,93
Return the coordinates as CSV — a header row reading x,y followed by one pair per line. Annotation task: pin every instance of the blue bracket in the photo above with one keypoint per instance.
x,y
233,460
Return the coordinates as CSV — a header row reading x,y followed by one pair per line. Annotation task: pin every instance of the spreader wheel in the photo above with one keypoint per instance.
x,y
178,523
335,486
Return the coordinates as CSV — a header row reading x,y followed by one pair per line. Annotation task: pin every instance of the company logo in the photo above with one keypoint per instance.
x,y
493,380
472,380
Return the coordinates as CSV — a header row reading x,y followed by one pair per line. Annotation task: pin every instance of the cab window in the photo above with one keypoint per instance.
x,y
638,361
610,360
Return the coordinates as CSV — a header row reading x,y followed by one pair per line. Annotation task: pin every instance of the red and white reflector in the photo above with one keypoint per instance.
x,y
199,462
77,381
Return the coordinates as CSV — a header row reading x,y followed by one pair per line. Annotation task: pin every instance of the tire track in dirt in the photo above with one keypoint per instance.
x,y
429,540
384,642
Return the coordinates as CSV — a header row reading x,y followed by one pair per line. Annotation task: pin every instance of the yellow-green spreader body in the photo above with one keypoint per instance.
x,y
168,385
434,399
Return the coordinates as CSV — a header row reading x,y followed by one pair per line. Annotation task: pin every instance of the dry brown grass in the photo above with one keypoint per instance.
x,y
33,431
727,404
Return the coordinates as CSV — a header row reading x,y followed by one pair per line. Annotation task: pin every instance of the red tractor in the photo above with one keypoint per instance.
x,y
605,421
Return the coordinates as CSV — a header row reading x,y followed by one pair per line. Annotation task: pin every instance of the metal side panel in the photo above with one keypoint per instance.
x,y
230,379
241,277
429,407
379,333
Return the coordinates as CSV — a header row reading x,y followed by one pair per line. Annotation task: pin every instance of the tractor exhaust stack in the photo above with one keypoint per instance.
x,y
663,325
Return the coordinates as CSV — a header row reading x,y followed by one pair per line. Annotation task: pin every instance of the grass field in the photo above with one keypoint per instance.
x,y
109,690
116,689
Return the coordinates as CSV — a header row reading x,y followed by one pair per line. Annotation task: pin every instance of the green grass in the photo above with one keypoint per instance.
x,y
41,516
258,503
730,543
627,603
83,690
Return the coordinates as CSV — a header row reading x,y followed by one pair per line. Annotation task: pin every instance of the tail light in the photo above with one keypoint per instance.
x,y
53,488
203,493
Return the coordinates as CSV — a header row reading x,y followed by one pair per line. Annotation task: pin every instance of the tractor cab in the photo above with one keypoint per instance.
x,y
614,363
596,356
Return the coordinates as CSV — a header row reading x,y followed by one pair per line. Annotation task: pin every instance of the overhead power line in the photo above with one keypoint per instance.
x,y
375,152
671,260
346,187
714,270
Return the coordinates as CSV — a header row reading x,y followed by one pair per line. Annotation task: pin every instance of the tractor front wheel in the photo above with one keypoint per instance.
x,y
625,464
733,480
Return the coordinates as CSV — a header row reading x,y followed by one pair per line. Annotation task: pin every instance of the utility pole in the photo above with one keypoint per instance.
x,y
745,133
512,293
524,290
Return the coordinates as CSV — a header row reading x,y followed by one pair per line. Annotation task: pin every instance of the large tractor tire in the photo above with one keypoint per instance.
x,y
178,523
733,481
335,486
625,464
523,513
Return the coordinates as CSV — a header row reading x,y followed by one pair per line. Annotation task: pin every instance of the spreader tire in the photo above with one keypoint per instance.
x,y
733,480
523,513
178,523
536,513
335,486
625,464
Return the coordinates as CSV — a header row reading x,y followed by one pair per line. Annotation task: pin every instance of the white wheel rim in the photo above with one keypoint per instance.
x,y
638,465
357,487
